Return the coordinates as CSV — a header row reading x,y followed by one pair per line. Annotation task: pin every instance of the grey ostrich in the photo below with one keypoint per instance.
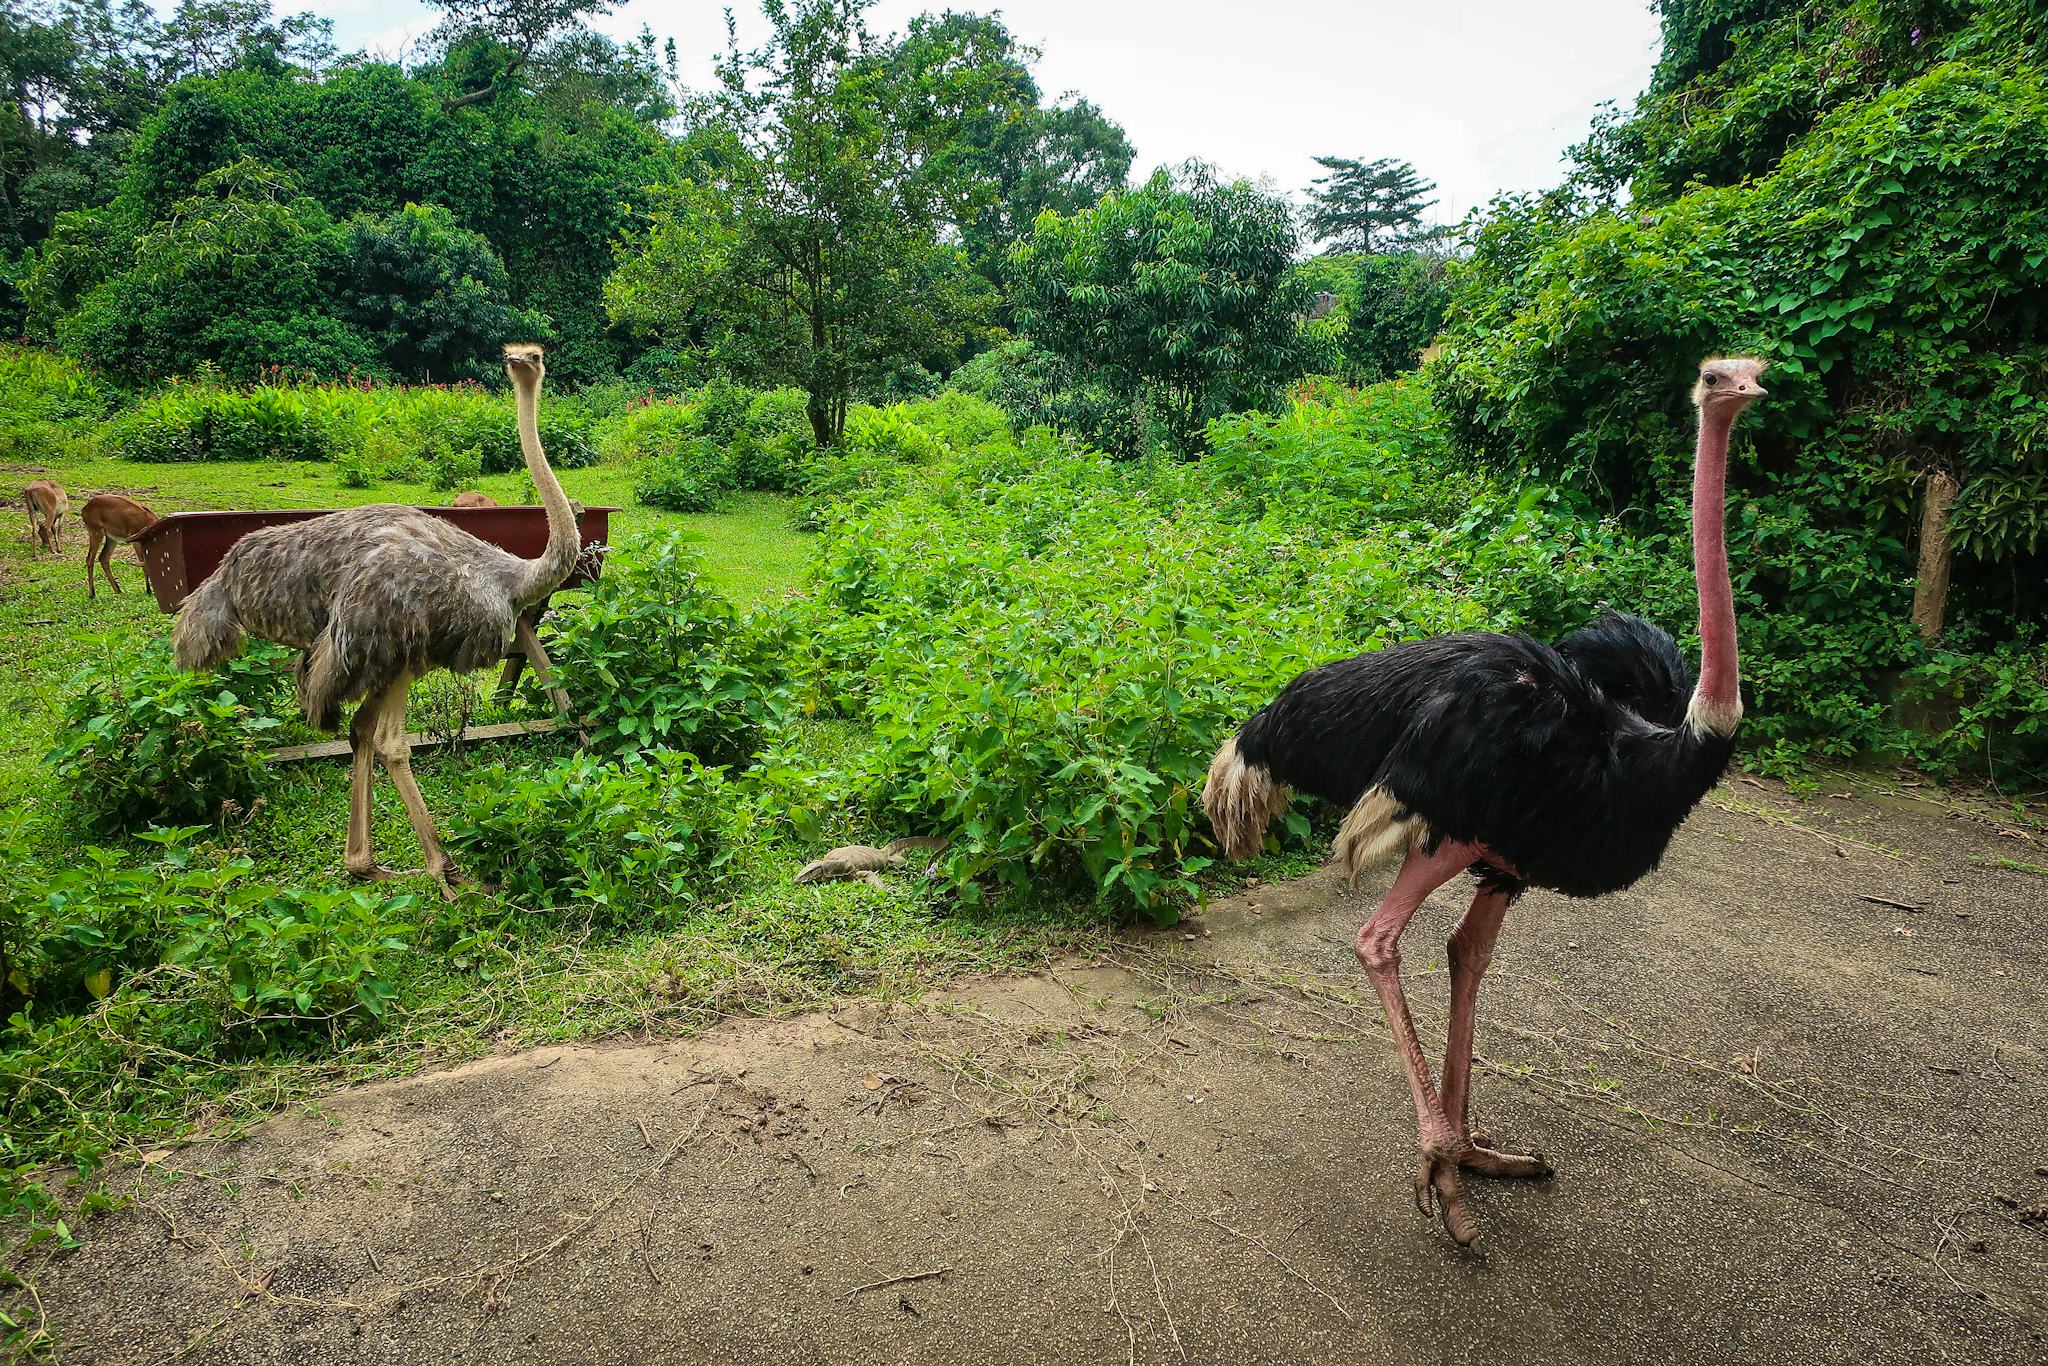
x,y
373,598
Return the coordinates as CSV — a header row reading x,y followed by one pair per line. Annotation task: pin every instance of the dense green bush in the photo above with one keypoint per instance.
x,y
379,429
1387,309
662,662
190,422
1033,387
38,386
158,746
611,840
723,436
252,956
1049,646
691,475
773,448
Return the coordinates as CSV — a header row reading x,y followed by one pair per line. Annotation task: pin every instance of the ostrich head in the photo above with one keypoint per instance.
x,y
523,362
1728,382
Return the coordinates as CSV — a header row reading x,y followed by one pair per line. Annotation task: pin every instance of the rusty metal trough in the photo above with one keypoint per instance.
x,y
181,551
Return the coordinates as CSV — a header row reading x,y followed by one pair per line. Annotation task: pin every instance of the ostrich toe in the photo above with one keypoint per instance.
x,y
1440,1182
374,872
1487,1160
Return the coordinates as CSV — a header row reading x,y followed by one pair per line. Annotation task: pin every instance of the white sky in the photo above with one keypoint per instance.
x,y
1482,95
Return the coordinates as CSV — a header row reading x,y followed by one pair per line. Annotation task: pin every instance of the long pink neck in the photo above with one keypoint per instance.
x,y
1717,702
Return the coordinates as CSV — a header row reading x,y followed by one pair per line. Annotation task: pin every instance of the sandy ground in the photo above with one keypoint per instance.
x,y
1792,1124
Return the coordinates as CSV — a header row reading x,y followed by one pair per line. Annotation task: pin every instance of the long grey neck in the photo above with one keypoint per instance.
x,y
544,575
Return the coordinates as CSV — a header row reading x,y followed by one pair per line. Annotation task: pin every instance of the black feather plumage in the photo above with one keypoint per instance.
x,y
1573,763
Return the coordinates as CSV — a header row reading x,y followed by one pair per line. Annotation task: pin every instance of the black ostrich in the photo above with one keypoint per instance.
x,y
1567,766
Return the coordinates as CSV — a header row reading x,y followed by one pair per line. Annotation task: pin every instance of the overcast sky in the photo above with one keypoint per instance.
x,y
1482,95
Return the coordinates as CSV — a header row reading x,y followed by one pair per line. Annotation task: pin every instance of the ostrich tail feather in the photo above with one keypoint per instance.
x,y
1376,830
324,683
1242,800
207,634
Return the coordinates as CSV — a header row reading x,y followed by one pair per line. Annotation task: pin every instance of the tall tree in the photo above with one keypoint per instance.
x,y
1368,206
1177,295
513,33
998,155
811,255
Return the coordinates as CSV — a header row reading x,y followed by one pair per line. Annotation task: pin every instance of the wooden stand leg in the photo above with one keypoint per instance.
x,y
544,670
515,664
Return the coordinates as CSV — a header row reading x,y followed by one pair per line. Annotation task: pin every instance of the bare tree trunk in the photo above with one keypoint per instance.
x,y
1930,589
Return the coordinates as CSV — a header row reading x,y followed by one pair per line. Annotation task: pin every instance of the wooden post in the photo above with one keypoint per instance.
x,y
508,678
1930,587
544,670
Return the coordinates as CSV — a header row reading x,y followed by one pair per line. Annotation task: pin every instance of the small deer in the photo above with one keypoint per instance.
x,y
110,520
470,498
46,508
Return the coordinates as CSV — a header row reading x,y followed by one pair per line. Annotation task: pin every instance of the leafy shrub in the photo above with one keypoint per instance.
x,y
1388,307
662,662
385,428
444,469
1049,646
263,956
130,982
1036,388
964,422
1997,708
690,476
892,433
158,746
355,471
611,840
724,437
774,446
38,386
204,422
468,417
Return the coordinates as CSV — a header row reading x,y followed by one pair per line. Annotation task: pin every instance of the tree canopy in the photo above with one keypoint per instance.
x,y
810,251
1177,295
1368,206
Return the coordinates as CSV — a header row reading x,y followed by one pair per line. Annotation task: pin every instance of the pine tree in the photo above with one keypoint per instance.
x,y
1369,206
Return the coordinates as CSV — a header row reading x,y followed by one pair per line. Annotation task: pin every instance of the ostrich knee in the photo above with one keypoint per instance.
x,y
1378,947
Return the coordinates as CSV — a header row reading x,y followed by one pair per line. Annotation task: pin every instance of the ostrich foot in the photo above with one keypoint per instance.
x,y
373,872
451,880
1487,1160
1440,1182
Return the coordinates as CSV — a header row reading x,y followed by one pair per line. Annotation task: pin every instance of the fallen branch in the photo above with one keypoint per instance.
x,y
904,1279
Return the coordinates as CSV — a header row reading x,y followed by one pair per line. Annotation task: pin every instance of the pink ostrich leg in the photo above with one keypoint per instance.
x,y
1379,949
1471,949
1440,1120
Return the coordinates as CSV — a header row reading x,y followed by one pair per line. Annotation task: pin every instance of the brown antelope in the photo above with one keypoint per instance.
x,y
470,498
110,520
46,508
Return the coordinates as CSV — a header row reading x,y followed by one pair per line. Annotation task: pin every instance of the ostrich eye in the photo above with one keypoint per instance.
x,y
1711,380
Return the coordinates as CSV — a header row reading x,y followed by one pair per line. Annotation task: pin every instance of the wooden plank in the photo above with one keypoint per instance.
x,y
338,749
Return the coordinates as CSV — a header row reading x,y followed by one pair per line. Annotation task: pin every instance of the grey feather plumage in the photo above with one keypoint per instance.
x,y
373,598
370,595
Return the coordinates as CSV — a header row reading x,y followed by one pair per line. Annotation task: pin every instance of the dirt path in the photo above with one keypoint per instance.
x,y
1200,1150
